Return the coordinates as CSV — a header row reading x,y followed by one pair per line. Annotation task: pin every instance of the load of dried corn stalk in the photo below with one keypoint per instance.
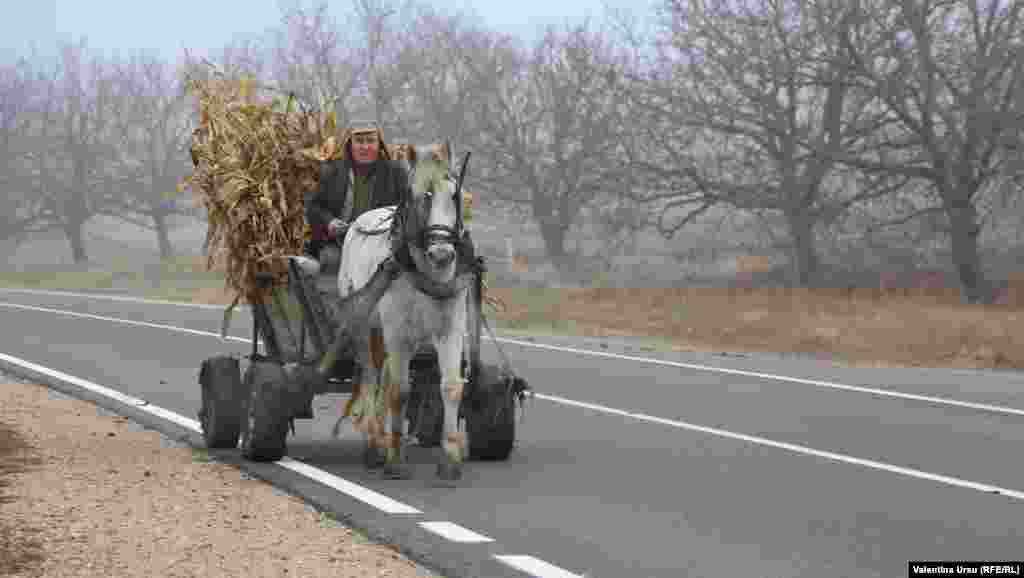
x,y
254,160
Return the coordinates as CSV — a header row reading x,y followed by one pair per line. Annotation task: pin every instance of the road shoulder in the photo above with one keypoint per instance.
x,y
105,497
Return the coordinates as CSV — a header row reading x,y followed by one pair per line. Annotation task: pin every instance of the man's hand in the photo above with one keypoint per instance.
x,y
336,227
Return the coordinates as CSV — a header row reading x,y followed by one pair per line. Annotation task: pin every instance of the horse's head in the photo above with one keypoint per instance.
x,y
432,222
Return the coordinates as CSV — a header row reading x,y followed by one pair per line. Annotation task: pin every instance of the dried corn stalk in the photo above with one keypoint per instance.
x,y
253,163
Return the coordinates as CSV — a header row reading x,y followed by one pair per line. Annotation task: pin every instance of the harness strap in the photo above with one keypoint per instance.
x,y
441,291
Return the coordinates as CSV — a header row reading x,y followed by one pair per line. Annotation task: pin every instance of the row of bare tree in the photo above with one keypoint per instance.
x,y
85,136
803,111
806,114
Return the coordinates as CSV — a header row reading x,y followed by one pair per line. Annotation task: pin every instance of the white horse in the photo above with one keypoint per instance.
x,y
425,305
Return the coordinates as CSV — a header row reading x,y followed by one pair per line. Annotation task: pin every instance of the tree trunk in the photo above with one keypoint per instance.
x,y
77,210
547,218
75,232
801,229
964,232
162,238
554,242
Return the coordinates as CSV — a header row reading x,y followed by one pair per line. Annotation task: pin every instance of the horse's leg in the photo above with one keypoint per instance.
x,y
396,386
374,443
363,387
375,377
449,357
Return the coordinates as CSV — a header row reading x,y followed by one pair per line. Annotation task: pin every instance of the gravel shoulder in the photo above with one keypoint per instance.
x,y
87,493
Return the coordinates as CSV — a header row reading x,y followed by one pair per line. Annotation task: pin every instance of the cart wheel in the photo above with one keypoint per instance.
x,y
220,416
491,442
265,429
490,418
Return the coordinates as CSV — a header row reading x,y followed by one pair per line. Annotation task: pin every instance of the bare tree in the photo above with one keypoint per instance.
x,y
152,128
435,64
18,213
74,145
42,170
316,59
951,74
549,127
242,57
745,106
379,22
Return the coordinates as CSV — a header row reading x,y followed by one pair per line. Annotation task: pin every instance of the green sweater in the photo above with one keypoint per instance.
x,y
360,195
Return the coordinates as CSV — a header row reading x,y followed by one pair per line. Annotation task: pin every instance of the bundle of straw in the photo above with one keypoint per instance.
x,y
253,163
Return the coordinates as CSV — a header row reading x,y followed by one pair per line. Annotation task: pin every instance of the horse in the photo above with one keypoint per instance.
x,y
426,304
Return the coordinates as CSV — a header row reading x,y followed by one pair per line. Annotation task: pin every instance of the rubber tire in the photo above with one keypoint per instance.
x,y
489,441
265,428
220,380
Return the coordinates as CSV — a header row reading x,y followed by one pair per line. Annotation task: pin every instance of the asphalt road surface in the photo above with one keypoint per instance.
x,y
671,471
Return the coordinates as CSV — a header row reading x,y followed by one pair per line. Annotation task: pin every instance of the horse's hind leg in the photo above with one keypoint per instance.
x,y
363,419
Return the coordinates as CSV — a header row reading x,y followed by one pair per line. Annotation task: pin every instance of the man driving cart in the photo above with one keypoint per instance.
x,y
363,179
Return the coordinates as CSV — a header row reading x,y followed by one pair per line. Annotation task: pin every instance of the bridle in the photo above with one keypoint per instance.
x,y
423,235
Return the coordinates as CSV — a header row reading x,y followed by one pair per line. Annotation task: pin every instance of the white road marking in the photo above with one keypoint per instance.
x,y
911,472
172,417
358,492
914,473
361,493
536,567
775,377
455,532
116,320
622,357
121,298
93,387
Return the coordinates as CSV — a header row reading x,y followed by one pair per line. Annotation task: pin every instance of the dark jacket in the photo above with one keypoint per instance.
x,y
332,201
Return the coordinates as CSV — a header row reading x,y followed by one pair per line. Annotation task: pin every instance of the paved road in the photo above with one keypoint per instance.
x,y
619,495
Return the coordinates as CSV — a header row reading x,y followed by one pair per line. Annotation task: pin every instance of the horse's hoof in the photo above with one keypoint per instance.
x,y
449,473
372,459
397,472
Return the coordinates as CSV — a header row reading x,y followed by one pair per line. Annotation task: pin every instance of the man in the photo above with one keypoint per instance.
x,y
364,178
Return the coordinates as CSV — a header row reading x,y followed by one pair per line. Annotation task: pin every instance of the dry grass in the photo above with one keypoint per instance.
x,y
855,326
861,326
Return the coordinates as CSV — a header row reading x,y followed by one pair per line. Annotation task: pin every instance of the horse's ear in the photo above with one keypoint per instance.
x,y
440,152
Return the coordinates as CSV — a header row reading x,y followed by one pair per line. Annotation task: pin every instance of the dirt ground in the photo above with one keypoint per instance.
x,y
861,326
930,328
88,494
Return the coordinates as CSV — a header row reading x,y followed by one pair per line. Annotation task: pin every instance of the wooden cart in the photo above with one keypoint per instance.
x,y
297,327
